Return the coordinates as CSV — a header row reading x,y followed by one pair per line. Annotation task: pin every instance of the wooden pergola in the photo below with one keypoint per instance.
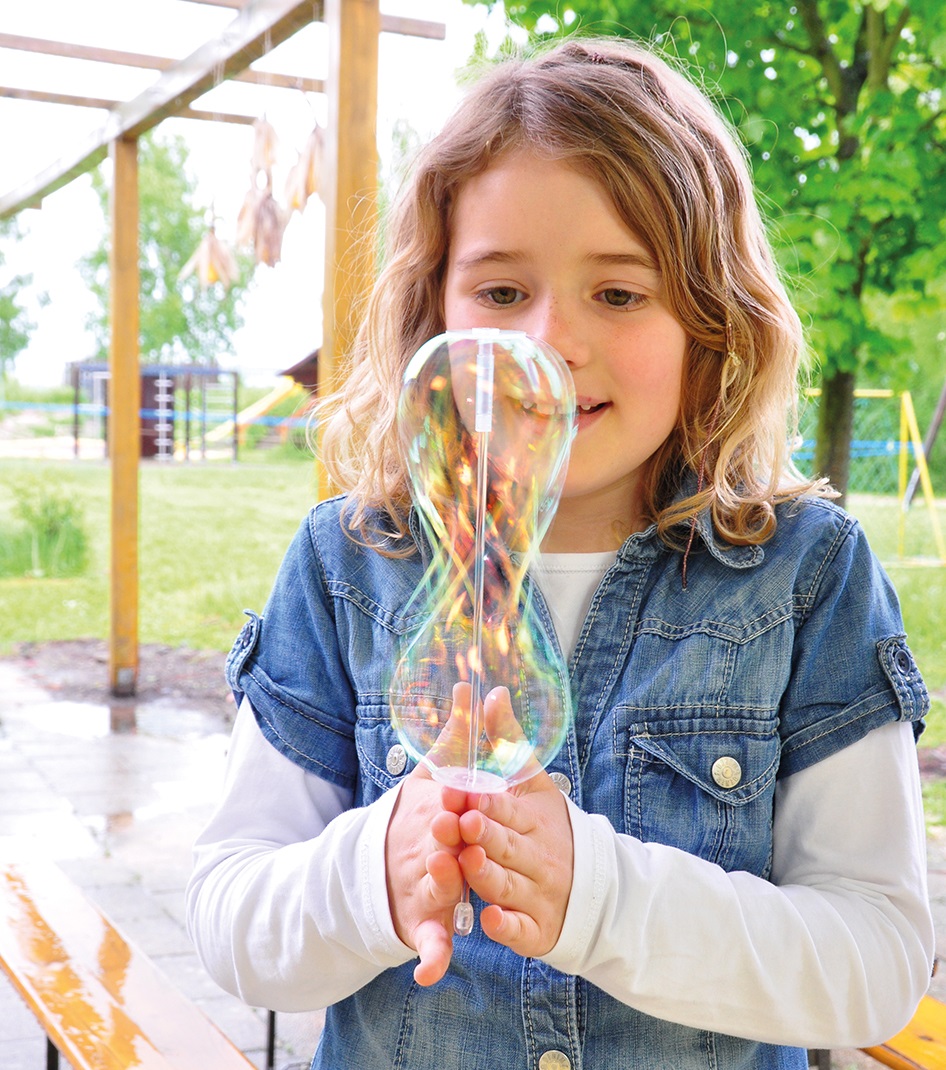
x,y
349,194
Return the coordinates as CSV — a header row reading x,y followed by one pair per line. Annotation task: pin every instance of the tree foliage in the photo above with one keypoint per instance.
x,y
840,105
179,322
15,324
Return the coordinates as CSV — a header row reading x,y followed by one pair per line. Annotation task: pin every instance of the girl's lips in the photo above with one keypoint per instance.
x,y
587,412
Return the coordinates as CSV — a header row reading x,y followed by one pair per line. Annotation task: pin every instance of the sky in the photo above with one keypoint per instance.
x,y
283,312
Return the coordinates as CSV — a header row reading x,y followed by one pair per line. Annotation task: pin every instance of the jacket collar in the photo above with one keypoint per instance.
x,y
645,544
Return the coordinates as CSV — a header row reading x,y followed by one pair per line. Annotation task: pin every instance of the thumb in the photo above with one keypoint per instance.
x,y
513,750
434,946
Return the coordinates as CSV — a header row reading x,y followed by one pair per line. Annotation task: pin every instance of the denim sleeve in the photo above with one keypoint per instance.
x,y
852,669
288,664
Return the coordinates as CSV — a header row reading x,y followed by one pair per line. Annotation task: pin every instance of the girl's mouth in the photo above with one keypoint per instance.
x,y
587,411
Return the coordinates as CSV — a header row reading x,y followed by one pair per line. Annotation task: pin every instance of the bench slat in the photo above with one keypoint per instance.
x,y
102,1002
922,1045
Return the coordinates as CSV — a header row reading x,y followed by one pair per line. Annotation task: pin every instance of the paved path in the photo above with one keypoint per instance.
x,y
117,795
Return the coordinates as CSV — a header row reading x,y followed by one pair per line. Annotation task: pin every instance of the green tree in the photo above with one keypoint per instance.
x,y
15,324
840,103
179,322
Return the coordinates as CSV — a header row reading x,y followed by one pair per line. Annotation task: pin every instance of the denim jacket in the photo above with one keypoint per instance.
x,y
771,657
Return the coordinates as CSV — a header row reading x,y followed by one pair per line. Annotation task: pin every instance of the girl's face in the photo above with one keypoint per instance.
x,y
538,246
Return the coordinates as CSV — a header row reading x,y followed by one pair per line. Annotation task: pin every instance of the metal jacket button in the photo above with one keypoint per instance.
x,y
727,772
396,761
554,1060
562,782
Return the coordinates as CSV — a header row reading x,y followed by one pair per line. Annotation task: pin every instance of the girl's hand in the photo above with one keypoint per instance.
x,y
519,855
420,855
423,877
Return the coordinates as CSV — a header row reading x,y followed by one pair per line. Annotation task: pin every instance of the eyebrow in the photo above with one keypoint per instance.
x,y
476,260
625,260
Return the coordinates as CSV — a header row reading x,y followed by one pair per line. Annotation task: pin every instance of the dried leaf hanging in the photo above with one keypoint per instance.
x,y
260,224
246,219
261,221
270,224
264,147
305,176
213,261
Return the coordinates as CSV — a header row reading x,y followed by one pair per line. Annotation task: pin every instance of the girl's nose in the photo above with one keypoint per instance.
x,y
555,325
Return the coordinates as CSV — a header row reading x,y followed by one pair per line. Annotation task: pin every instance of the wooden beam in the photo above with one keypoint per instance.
x,y
436,31
93,54
124,419
350,194
237,4
433,31
258,28
42,97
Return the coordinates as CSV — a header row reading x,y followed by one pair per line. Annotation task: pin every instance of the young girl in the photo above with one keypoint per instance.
x,y
725,863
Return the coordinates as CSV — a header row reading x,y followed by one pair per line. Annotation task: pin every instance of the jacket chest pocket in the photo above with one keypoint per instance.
x,y
702,787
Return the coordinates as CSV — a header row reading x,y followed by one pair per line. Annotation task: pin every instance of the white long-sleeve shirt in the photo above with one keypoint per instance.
x,y
288,904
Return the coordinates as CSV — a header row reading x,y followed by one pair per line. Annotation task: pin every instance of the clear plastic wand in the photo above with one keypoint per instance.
x,y
483,425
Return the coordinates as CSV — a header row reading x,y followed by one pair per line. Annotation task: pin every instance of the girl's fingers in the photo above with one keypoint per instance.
x,y
454,800
491,881
434,945
433,937
511,928
505,733
445,879
445,829
506,809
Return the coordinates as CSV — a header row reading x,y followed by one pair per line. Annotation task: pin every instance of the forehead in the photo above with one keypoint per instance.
x,y
528,199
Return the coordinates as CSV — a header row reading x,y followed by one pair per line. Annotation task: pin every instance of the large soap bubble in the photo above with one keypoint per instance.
x,y
487,418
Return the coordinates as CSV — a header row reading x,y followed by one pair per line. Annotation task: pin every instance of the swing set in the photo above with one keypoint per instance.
x,y
911,451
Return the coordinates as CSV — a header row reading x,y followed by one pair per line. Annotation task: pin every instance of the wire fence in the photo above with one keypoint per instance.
x,y
875,444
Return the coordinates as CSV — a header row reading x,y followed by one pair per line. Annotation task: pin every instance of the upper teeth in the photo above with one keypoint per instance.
x,y
587,408
546,409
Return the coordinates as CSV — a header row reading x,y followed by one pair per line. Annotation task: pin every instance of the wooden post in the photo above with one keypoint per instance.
x,y
351,181
124,418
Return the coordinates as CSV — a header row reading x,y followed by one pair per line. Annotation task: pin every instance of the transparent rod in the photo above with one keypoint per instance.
x,y
483,423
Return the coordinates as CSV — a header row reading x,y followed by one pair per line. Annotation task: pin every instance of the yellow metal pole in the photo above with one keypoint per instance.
x,y
925,482
902,480
124,428
350,193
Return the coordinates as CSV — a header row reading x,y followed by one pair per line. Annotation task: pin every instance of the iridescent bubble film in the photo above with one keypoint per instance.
x,y
487,418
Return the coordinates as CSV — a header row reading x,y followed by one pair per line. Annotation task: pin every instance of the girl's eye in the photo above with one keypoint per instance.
x,y
501,295
620,298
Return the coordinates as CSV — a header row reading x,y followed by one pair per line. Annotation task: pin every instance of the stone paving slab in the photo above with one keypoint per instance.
x,y
118,811
117,798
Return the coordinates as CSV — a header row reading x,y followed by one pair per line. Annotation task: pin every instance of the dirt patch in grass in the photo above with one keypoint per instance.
x,y
77,670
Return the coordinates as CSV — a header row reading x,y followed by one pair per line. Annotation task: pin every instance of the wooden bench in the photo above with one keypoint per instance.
x,y
102,1003
105,1006
922,1045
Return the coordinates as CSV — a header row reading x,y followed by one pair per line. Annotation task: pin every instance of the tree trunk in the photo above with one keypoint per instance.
x,y
835,430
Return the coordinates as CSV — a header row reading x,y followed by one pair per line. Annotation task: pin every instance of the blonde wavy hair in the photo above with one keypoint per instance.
x,y
681,183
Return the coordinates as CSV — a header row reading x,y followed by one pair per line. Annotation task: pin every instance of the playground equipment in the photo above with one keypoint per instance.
x,y
255,412
889,457
182,407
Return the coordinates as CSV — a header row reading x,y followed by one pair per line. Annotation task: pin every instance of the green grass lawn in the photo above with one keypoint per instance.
x,y
211,539
212,536
920,585
922,591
